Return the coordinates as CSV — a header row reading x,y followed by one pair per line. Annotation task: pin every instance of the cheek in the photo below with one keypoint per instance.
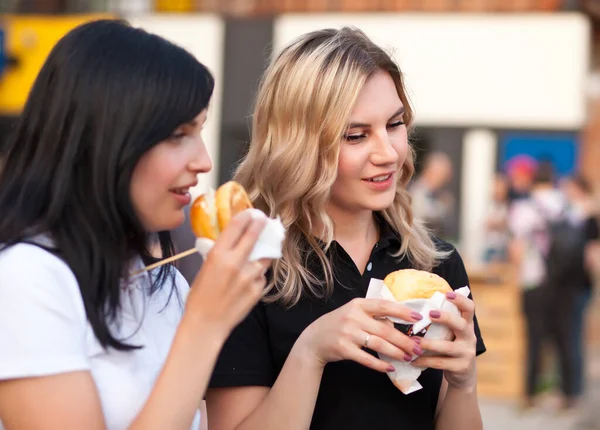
x,y
401,147
139,180
350,163
156,171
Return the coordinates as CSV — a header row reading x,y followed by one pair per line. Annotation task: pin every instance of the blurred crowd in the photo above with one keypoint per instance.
x,y
550,233
545,227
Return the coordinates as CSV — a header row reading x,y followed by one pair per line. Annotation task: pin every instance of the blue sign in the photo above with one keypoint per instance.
x,y
560,148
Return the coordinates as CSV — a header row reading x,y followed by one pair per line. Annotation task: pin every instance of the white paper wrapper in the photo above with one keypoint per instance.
x,y
269,244
405,376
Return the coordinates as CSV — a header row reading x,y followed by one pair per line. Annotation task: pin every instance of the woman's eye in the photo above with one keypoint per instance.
x,y
355,137
177,135
396,124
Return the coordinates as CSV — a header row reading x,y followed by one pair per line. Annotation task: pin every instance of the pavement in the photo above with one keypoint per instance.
x,y
505,415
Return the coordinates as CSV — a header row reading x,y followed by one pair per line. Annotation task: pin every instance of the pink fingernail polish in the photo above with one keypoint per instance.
x,y
417,350
407,358
435,314
451,295
416,339
391,369
416,316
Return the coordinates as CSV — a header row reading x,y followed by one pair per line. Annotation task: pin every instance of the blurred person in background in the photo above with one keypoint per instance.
x,y
583,212
431,200
330,154
99,166
539,228
496,226
520,171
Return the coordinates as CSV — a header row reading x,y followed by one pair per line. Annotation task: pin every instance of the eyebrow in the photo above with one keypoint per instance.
x,y
399,112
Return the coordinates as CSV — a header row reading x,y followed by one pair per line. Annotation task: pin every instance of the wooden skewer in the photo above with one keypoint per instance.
x,y
166,260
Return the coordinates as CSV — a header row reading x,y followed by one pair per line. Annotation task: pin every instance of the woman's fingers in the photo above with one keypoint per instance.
x,y
386,308
441,347
435,362
449,364
382,346
265,263
242,250
402,345
465,305
240,235
257,287
234,231
252,272
362,357
455,323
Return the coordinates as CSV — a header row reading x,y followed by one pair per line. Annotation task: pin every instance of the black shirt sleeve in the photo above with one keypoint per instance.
x,y
454,272
246,358
591,229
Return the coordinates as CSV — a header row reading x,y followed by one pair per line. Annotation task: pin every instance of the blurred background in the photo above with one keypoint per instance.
x,y
500,88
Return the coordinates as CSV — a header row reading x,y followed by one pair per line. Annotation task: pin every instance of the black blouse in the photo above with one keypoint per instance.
x,y
351,396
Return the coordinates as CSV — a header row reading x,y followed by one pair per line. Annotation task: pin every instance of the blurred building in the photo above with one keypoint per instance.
x,y
489,78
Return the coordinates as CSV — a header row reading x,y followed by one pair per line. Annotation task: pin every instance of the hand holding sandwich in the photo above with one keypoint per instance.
x,y
344,334
456,358
228,284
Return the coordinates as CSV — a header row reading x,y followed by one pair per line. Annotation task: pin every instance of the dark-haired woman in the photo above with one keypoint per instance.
x,y
106,149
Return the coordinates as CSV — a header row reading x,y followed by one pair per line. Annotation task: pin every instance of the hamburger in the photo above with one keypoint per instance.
x,y
412,284
211,212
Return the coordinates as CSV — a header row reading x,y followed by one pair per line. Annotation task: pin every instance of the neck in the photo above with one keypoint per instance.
x,y
350,227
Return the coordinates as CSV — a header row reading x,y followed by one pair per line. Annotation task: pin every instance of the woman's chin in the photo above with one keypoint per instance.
x,y
166,223
380,204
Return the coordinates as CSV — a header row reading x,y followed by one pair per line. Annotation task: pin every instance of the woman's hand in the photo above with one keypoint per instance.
x,y
456,358
344,334
228,286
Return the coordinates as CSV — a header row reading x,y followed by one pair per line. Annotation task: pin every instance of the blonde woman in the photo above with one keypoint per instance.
x,y
330,155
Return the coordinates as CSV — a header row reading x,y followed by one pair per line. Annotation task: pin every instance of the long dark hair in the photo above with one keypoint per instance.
x,y
107,93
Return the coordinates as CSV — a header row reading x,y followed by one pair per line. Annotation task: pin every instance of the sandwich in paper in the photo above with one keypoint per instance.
x,y
422,292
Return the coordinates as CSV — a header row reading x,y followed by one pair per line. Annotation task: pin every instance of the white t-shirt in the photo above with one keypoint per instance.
x,y
44,330
528,220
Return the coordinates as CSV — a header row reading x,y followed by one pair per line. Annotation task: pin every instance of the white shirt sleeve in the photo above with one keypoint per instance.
x,y
42,318
523,220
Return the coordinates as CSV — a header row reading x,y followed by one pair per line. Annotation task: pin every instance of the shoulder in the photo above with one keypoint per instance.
x,y
29,266
43,323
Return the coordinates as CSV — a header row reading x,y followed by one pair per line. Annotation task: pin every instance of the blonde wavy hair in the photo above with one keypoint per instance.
x,y
303,105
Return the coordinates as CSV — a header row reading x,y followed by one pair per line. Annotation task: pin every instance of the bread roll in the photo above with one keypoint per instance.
x,y
231,199
408,284
211,212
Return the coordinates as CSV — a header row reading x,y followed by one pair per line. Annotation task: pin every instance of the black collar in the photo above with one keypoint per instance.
x,y
387,235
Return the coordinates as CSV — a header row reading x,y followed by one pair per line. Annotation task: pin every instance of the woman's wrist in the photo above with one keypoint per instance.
x,y
467,386
304,351
195,327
